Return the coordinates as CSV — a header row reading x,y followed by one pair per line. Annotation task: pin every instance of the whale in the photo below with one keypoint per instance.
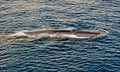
x,y
52,34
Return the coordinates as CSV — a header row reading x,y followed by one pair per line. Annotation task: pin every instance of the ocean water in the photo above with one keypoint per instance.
x,y
101,54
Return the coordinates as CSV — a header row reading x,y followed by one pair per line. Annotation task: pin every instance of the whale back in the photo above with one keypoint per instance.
x,y
53,34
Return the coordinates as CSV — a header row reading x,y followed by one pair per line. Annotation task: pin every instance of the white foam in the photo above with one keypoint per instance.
x,y
20,33
70,28
74,36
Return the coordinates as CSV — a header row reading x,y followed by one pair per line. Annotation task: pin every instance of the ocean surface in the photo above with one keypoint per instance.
x,y
101,54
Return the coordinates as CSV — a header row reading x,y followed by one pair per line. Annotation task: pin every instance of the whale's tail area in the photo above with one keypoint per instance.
x,y
3,36
4,39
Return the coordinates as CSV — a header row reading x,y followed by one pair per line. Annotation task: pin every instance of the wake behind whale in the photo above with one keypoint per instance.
x,y
51,34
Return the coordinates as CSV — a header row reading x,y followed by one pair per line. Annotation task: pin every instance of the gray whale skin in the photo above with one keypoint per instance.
x,y
53,34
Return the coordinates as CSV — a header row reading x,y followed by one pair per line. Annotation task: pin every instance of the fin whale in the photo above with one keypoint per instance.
x,y
52,34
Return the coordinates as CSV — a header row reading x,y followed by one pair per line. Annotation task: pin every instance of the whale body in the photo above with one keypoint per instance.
x,y
53,34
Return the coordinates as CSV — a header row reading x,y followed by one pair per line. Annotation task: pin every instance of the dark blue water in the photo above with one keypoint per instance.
x,y
100,54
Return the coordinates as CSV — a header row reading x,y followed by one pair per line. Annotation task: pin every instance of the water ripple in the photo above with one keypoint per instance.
x,y
99,54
